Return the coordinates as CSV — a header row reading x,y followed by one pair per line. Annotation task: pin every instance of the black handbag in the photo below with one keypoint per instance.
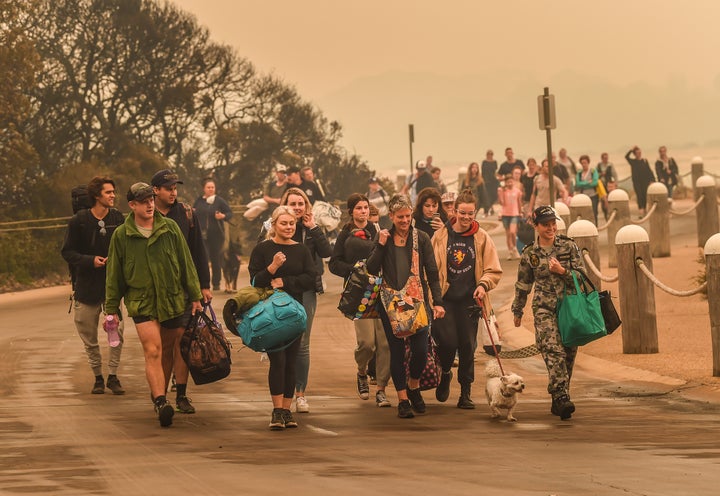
x,y
205,349
360,294
610,315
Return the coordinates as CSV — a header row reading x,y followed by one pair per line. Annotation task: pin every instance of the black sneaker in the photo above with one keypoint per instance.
x,y
442,392
184,405
288,419
165,413
363,387
562,407
277,423
416,400
99,387
405,410
113,384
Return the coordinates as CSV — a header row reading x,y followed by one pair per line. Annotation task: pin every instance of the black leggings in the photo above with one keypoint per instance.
x,y
281,376
457,331
418,353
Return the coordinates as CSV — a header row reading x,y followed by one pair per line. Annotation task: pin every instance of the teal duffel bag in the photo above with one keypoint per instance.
x,y
273,323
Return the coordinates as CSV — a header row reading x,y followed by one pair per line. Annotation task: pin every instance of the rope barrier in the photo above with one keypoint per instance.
x,y
695,205
647,216
609,221
596,271
33,228
641,265
32,221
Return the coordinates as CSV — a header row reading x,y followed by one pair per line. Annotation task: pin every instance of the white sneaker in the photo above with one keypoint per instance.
x,y
381,400
301,405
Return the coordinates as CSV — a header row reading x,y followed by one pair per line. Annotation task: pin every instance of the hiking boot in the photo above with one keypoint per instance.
x,y
301,405
288,419
184,405
562,407
363,387
416,400
405,410
465,402
165,413
442,392
381,400
277,423
113,384
99,386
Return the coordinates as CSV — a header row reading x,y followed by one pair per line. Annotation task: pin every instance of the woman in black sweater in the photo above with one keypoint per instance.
x,y
393,253
354,243
282,263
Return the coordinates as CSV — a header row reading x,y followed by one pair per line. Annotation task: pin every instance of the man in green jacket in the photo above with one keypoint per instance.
x,y
149,265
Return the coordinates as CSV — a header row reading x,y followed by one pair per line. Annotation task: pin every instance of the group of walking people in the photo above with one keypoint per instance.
x,y
157,260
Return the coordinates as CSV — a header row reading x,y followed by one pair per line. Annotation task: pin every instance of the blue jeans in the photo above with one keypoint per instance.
x,y
302,364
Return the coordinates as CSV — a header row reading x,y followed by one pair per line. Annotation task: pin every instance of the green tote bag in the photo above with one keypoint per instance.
x,y
580,319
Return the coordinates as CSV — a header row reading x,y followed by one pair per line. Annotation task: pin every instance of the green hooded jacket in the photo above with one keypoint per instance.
x,y
152,274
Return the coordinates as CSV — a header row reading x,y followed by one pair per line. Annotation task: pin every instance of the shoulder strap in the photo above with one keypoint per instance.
x,y
415,268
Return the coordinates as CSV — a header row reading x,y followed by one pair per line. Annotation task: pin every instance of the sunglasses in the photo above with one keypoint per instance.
x,y
101,225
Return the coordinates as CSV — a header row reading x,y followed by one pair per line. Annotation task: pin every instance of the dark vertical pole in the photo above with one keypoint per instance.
x,y
411,133
551,167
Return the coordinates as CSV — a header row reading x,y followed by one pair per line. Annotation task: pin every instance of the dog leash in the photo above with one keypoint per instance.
x,y
492,341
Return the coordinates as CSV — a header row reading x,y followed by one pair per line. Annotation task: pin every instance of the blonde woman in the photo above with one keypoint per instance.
x,y
280,262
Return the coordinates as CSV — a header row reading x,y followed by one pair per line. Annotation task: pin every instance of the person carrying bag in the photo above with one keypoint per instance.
x,y
393,253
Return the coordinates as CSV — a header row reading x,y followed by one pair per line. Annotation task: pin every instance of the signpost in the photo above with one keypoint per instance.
x,y
546,120
411,132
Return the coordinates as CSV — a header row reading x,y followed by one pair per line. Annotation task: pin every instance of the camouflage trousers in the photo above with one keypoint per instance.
x,y
559,359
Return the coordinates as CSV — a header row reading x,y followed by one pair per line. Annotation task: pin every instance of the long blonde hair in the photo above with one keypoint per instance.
x,y
281,210
298,192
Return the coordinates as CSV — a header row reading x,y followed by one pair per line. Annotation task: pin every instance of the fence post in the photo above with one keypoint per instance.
x,y
563,212
712,276
707,211
561,228
637,292
585,235
400,178
696,171
618,201
659,220
462,172
581,207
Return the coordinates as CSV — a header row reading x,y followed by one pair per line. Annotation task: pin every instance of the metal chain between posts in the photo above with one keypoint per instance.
x,y
695,205
595,270
647,216
641,265
609,221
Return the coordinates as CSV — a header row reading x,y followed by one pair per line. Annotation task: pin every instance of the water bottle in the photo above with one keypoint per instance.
x,y
111,327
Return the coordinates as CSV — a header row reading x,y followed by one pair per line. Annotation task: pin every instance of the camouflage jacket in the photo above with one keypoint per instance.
x,y
534,270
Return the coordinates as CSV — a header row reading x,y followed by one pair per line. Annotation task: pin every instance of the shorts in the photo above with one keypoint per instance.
x,y
507,220
173,323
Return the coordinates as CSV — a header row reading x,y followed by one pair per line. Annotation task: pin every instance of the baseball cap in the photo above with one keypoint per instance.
x,y
139,192
281,168
544,214
373,179
448,197
420,164
165,177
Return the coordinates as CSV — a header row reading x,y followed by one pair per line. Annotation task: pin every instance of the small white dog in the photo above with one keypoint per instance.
x,y
501,390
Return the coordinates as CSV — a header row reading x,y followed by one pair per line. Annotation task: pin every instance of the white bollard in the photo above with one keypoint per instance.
x,y
712,276
581,208
563,212
618,202
585,235
657,193
637,292
707,211
696,172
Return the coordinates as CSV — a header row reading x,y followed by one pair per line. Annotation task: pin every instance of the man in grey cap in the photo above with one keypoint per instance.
x,y
276,188
150,267
164,185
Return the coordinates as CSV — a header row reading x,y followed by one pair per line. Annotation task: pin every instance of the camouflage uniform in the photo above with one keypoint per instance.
x,y
534,269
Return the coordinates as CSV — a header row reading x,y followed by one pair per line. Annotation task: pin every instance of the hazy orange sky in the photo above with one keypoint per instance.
x,y
346,56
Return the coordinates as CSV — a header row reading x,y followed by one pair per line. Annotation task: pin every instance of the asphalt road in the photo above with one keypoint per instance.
x,y
627,437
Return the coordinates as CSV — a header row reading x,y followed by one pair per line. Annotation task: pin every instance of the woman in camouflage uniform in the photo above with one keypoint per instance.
x,y
547,264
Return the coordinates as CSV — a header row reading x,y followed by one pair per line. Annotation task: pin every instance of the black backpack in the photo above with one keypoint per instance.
x,y
80,198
